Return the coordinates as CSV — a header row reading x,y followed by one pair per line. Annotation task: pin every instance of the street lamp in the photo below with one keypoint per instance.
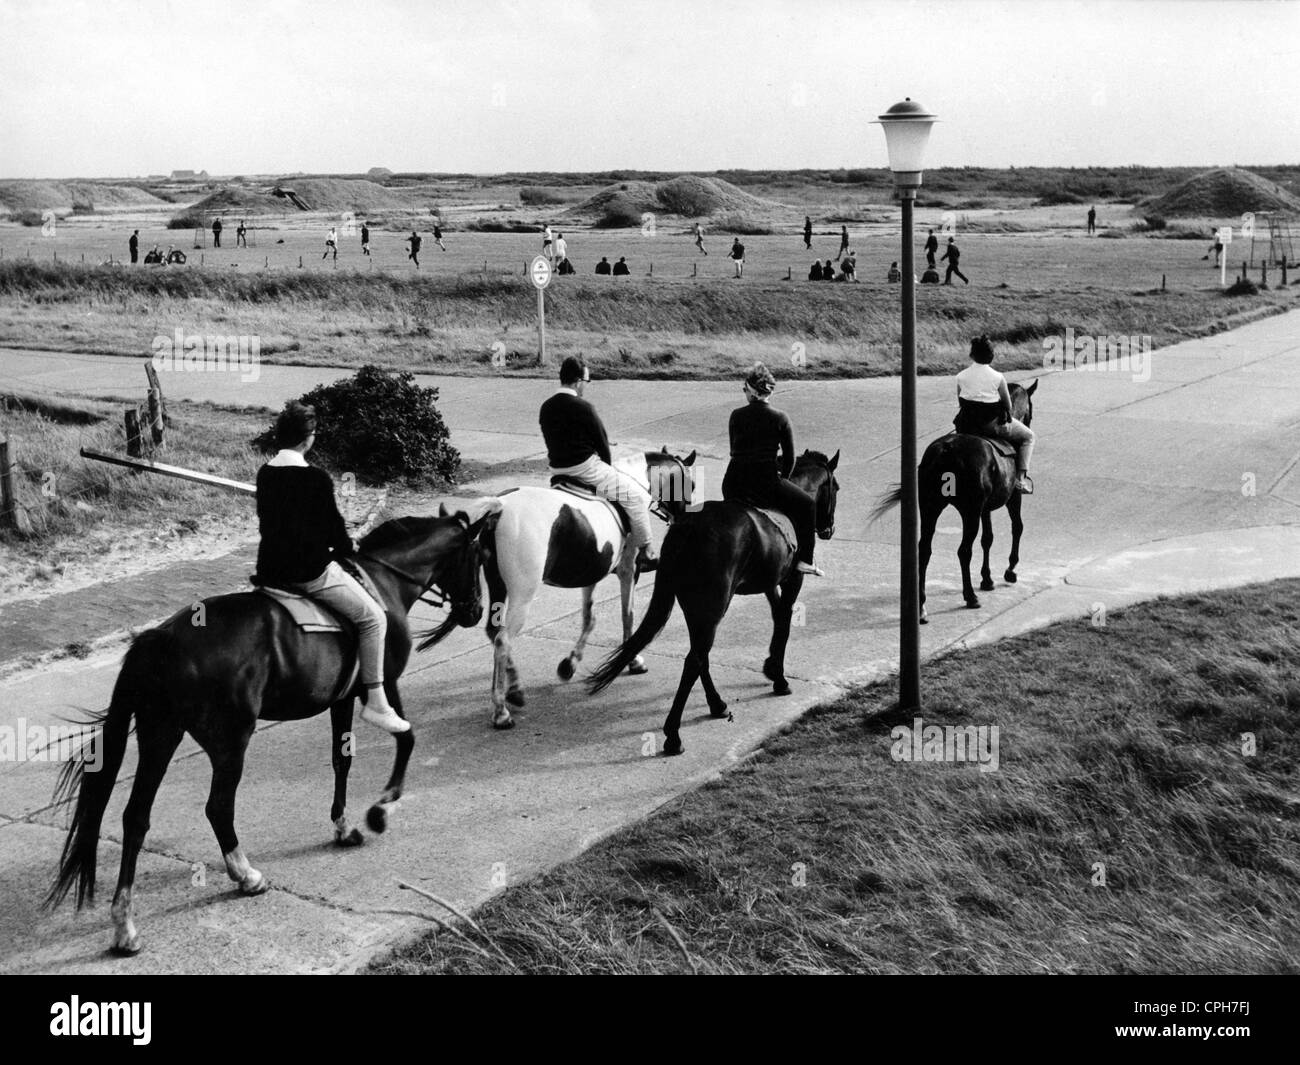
x,y
907,130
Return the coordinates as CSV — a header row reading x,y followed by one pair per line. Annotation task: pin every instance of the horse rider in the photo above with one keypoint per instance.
x,y
984,403
756,475
577,446
303,538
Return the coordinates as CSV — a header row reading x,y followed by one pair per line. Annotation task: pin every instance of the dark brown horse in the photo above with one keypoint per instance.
x,y
215,669
975,476
711,553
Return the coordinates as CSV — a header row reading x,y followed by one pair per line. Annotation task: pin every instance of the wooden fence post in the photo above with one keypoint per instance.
x,y
133,446
155,385
8,498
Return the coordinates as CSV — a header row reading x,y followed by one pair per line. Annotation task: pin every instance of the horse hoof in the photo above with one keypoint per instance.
x,y
1010,576
254,884
637,667
673,746
719,711
126,946
987,585
564,670
515,697
781,687
352,838
377,819
503,723
925,616
973,603
769,671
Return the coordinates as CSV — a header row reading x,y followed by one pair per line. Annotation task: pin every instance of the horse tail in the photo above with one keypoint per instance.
x,y
886,503
652,623
90,780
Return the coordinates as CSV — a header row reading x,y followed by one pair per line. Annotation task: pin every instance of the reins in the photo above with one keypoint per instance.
x,y
425,586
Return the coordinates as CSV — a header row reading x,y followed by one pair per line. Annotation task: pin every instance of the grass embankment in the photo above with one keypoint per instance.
x,y
641,329
1120,745
74,509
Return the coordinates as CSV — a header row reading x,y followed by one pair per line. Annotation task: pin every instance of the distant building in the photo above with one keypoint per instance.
x,y
189,175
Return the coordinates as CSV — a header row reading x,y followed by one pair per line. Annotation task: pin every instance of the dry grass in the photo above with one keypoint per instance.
x,y
1120,745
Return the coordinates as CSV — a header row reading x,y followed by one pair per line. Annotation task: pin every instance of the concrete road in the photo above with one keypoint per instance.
x,y
1188,480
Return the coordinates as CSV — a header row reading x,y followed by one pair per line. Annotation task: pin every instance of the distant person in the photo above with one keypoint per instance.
x,y
414,241
984,409
930,277
620,268
561,248
437,236
603,266
849,269
216,233
738,256
1216,248
895,274
844,242
565,266
1092,220
815,271
365,238
548,242
134,245
807,232
953,254
153,257
331,244
828,271
241,235
931,249
699,238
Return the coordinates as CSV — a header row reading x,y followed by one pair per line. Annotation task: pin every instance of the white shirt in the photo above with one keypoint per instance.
x,y
561,248
288,457
979,382
332,236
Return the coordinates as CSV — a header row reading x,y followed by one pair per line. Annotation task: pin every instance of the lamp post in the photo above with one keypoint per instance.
x,y
907,130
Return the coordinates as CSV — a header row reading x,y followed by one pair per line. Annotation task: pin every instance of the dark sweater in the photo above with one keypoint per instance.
x,y
572,430
757,431
302,529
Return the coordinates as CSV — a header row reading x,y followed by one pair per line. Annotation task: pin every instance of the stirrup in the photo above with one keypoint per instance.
x,y
1024,485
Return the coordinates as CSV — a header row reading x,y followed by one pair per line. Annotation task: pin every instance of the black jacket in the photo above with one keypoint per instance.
x,y
302,529
572,430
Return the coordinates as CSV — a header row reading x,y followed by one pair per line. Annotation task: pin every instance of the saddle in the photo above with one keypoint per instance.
x,y
775,518
309,614
563,482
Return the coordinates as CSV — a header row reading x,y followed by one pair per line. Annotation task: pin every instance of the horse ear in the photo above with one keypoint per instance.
x,y
442,511
1032,388
664,450
833,462
689,460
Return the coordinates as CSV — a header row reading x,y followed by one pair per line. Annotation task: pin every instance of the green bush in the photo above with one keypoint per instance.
x,y
1156,222
28,218
186,221
381,426
740,223
1243,286
1056,197
539,197
618,215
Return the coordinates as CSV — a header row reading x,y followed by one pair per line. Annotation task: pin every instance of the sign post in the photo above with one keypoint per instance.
x,y
1225,238
540,273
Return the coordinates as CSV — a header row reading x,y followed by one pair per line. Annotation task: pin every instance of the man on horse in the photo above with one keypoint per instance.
x,y
577,446
985,409
303,539
757,476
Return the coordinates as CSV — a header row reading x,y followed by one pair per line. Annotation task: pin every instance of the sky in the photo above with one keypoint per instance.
x,y
98,88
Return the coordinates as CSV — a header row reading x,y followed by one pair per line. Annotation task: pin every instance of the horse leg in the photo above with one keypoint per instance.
x,y
503,668
227,768
702,636
627,599
565,669
986,542
970,523
1017,527
929,519
781,600
158,742
341,759
673,723
377,815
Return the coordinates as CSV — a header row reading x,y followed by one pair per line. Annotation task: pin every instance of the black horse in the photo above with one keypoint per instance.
x,y
976,476
247,660
710,554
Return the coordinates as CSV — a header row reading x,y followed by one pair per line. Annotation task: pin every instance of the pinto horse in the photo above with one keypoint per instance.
x,y
972,474
712,552
548,536
248,660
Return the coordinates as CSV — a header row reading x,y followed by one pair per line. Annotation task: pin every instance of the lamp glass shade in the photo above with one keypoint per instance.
x,y
907,132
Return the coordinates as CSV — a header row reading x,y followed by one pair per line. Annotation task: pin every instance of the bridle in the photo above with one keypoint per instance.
x,y
426,586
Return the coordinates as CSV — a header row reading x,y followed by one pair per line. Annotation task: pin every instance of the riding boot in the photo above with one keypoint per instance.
x,y
379,712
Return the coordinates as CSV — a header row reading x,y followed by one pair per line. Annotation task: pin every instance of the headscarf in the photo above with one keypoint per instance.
x,y
760,379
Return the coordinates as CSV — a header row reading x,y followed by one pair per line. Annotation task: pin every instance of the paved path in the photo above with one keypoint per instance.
x,y
1189,480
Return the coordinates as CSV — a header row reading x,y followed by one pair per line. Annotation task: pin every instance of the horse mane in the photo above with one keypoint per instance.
x,y
396,531
813,458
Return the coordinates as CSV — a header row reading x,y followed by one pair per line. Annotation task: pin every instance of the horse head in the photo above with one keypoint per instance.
x,y
1022,401
815,473
672,481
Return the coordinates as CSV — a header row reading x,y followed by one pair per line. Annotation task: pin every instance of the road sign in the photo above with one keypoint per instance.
x,y
540,272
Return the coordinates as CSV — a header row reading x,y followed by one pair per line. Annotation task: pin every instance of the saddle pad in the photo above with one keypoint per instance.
x,y
582,491
307,614
783,524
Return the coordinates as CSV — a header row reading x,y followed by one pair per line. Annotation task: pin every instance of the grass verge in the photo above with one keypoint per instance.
x,y
1120,747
